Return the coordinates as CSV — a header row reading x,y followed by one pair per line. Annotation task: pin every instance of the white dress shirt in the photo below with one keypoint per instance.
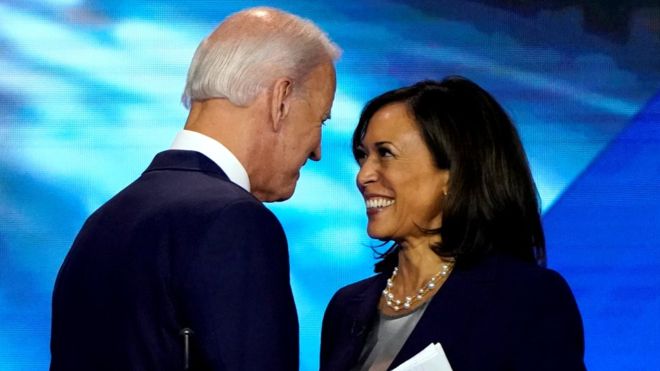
x,y
214,150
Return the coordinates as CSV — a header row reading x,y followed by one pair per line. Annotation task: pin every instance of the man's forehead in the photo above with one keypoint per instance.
x,y
321,82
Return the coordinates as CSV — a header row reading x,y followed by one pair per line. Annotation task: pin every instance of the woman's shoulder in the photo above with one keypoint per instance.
x,y
360,286
525,282
360,289
538,305
525,274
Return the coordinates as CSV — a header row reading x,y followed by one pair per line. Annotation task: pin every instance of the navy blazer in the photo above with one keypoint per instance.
x,y
501,314
181,247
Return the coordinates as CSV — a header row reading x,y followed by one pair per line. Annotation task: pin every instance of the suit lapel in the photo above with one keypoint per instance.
x,y
362,309
447,319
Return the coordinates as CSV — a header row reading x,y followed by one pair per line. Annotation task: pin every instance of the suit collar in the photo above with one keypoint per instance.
x,y
216,152
185,160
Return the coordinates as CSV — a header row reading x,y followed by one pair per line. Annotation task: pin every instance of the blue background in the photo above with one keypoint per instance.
x,y
89,92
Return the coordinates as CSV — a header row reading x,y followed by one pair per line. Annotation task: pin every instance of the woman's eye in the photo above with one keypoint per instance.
x,y
384,152
360,155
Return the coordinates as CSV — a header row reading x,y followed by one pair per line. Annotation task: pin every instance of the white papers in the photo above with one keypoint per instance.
x,y
432,358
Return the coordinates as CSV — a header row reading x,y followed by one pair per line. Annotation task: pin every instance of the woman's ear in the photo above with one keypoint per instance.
x,y
445,186
280,103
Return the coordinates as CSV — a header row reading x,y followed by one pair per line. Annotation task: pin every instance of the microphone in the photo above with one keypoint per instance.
x,y
186,332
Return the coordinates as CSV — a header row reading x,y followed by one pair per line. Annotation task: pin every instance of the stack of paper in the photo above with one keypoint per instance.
x,y
432,358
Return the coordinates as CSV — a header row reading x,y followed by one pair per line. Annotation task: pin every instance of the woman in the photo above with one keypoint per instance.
x,y
445,178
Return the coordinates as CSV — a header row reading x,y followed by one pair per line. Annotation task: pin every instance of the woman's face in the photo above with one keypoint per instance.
x,y
398,179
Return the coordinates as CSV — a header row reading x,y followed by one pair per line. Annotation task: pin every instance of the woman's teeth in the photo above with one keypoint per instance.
x,y
378,202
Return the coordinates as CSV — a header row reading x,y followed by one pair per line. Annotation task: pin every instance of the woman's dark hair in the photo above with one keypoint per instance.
x,y
492,201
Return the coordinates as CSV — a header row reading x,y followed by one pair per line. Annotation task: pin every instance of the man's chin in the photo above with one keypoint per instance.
x,y
278,195
288,195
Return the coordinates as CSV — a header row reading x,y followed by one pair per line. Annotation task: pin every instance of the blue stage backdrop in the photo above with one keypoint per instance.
x,y
89,92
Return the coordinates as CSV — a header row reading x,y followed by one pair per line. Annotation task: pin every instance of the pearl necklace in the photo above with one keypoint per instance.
x,y
407,303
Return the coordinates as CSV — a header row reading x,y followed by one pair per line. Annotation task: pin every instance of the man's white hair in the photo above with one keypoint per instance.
x,y
250,50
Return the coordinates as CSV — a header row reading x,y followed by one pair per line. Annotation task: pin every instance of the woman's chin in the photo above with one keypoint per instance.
x,y
378,234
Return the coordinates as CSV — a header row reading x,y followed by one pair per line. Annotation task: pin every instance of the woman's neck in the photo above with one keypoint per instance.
x,y
417,264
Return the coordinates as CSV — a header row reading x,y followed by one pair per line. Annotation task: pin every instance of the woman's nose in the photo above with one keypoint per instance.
x,y
366,175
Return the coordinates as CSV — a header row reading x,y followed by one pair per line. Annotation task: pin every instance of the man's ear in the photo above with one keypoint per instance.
x,y
280,103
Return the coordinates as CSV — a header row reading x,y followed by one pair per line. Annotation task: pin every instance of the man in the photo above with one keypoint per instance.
x,y
185,268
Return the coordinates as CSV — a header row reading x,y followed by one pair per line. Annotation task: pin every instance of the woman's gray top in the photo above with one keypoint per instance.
x,y
386,338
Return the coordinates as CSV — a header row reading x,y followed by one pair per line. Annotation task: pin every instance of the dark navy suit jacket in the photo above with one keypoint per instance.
x,y
501,314
180,247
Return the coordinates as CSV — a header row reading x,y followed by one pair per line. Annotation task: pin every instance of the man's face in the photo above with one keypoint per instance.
x,y
300,138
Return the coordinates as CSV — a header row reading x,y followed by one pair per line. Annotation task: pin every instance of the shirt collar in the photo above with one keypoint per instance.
x,y
216,152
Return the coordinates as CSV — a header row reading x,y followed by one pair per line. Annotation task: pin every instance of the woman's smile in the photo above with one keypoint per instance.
x,y
377,204
401,185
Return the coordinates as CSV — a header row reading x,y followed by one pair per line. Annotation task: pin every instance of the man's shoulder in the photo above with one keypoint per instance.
x,y
183,197
182,187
